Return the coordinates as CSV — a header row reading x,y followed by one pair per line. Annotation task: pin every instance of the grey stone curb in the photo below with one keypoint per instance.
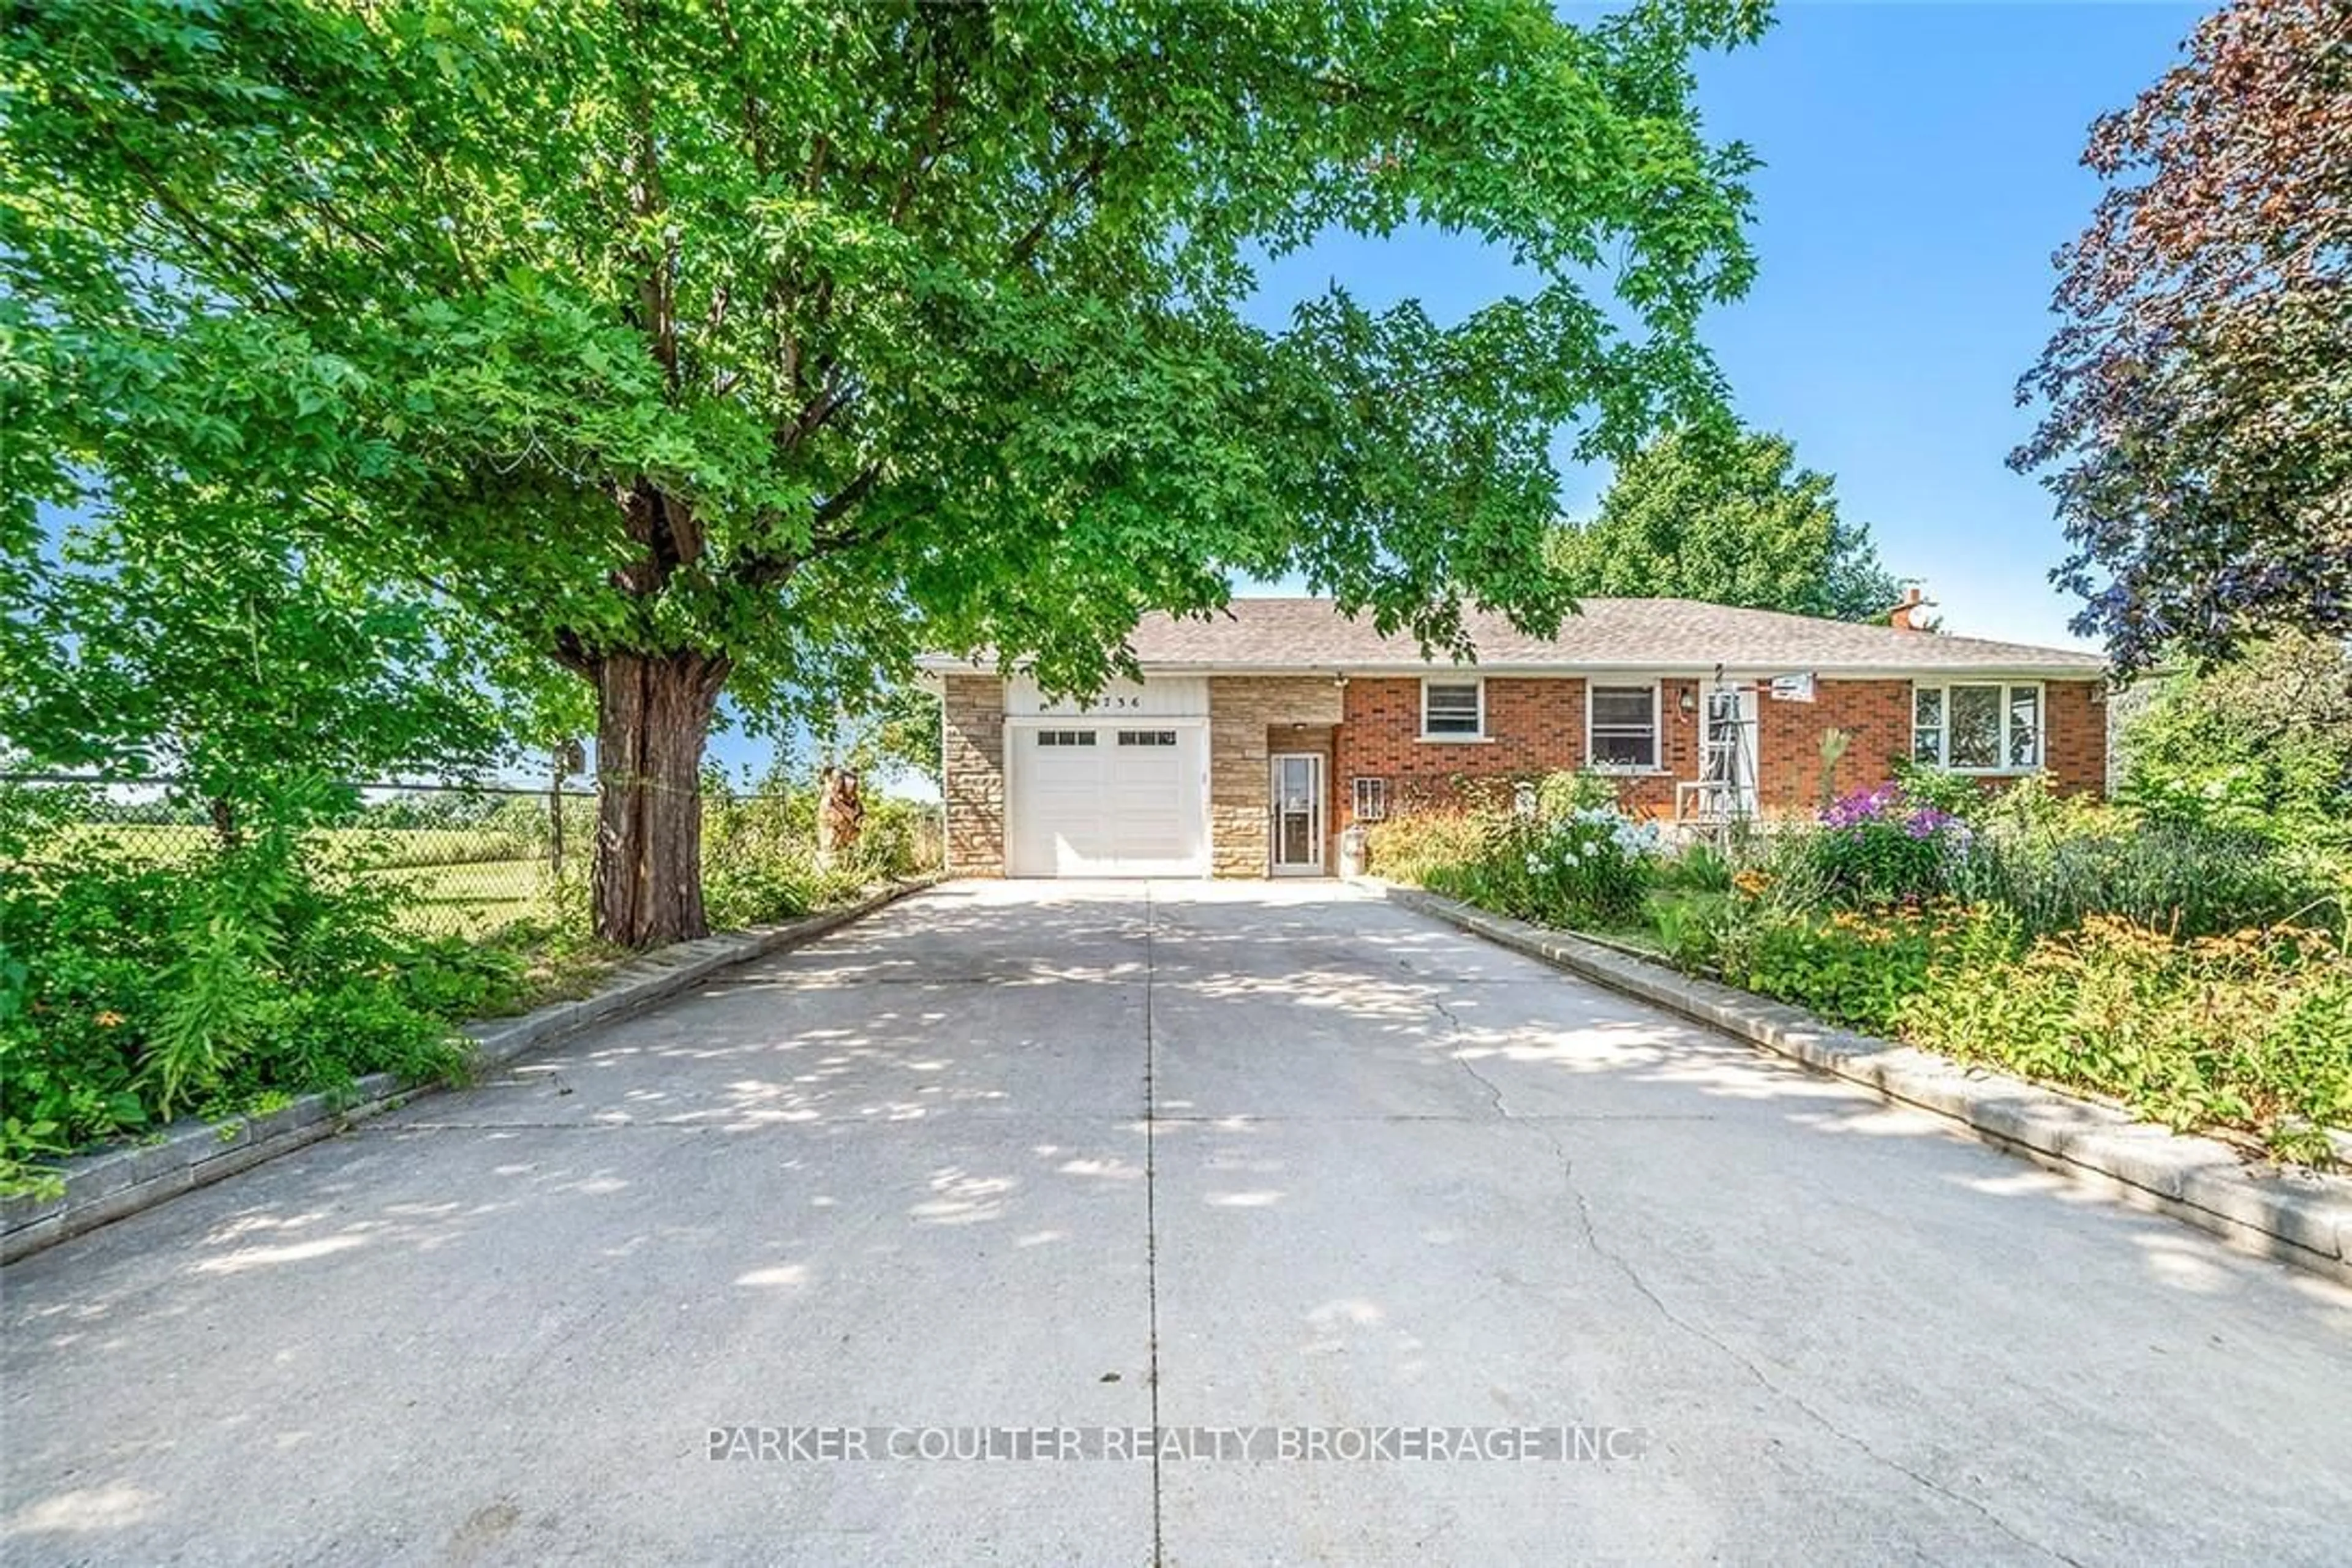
x,y
2294,1217
113,1183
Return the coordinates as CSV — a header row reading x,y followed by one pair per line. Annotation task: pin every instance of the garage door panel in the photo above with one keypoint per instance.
x,y
1115,808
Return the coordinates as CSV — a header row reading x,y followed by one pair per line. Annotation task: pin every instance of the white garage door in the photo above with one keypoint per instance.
x,y
1105,800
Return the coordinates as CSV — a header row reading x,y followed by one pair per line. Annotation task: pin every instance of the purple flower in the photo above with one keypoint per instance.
x,y
1863,805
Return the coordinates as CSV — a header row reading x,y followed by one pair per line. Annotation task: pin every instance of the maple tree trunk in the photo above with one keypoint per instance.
x,y
653,715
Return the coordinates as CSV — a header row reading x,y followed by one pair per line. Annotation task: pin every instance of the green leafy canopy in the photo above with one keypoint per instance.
x,y
233,664
1726,516
796,337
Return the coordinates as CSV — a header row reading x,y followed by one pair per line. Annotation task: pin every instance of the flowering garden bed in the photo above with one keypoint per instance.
x,y
2201,978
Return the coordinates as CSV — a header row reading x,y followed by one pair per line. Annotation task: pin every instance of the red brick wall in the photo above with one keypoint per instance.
x,y
2076,727
1876,713
1536,725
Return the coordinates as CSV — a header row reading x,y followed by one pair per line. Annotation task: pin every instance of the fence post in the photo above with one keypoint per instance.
x,y
569,757
555,817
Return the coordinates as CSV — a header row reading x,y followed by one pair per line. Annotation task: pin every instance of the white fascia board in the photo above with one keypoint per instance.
x,y
942,663
1645,671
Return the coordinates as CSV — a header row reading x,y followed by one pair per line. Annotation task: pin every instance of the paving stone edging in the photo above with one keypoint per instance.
x,y
114,1183
2297,1217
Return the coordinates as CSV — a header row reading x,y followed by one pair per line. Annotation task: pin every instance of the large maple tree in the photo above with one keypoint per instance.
x,y
720,348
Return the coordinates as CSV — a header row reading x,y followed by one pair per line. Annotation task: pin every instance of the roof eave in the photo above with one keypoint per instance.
x,y
1565,670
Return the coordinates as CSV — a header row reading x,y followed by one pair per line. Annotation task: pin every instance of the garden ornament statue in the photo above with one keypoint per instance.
x,y
1833,748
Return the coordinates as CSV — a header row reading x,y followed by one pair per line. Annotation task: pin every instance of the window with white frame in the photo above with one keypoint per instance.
x,y
1371,800
1066,737
1621,727
1454,709
1147,737
1978,727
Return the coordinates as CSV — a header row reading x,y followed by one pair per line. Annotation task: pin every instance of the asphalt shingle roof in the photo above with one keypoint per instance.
x,y
1625,634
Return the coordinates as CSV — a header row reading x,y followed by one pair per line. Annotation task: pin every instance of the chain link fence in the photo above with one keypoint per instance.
x,y
467,860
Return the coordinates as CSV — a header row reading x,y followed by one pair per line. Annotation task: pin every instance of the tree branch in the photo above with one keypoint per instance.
x,y
1060,205
927,147
657,290
667,528
763,569
755,140
836,396
197,228
842,499
572,652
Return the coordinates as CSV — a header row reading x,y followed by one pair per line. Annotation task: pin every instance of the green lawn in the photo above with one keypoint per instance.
x,y
462,882
171,844
469,899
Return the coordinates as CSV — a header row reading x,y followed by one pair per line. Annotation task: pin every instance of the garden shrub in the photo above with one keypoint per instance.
x,y
1872,848
901,837
2250,1031
1590,867
1852,968
136,986
132,991
1565,791
2261,745
2162,961
1408,847
760,863
1691,929
2187,881
761,891
1958,794
1698,868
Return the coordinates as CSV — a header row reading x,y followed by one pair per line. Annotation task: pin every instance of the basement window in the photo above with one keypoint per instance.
x,y
1453,709
1371,800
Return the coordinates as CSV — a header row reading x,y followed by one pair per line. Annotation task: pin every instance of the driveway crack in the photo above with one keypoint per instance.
x,y
1547,1130
1493,1090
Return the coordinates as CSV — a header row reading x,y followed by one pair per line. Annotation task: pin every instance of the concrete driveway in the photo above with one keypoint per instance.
x,y
1109,1156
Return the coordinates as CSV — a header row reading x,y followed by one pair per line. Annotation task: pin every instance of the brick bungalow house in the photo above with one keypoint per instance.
x,y
1255,737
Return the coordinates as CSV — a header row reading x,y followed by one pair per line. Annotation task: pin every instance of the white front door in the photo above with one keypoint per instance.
x,y
1093,797
1727,752
1296,780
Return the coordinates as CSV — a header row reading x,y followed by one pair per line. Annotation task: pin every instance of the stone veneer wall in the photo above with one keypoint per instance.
x,y
972,732
1245,710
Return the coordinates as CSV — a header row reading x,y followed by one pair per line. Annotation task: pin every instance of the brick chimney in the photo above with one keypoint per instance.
x,y
1899,618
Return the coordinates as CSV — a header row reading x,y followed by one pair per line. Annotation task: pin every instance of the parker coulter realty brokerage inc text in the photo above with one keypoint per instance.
x,y
1230,1445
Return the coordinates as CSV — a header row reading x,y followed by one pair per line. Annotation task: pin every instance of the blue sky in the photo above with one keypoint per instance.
x,y
1921,163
